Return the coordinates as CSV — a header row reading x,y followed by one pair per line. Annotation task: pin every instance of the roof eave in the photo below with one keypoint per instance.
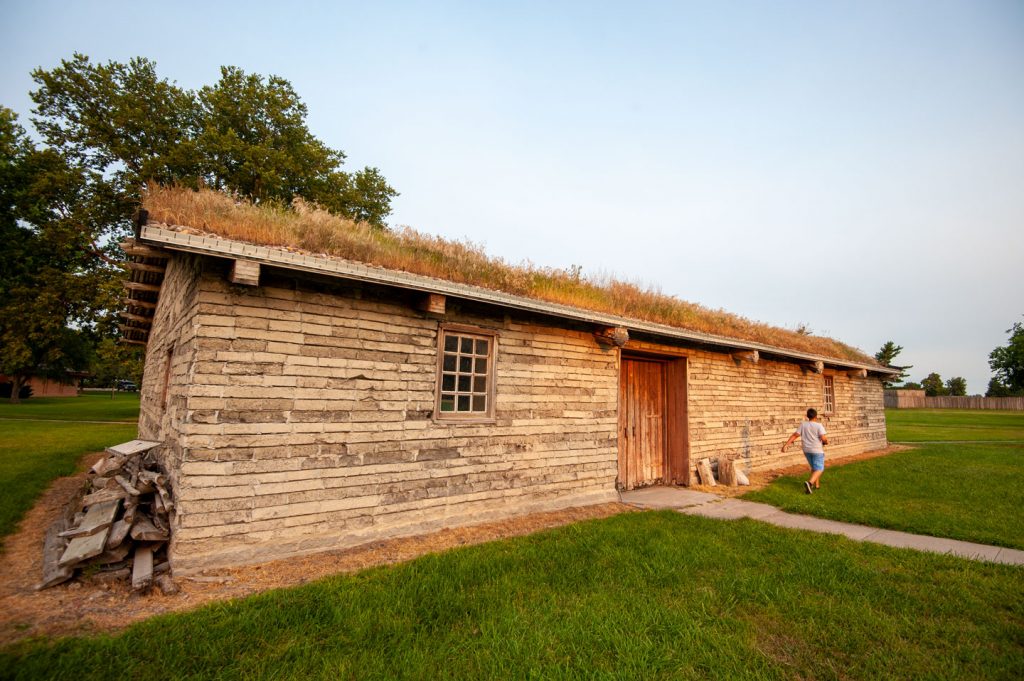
x,y
275,257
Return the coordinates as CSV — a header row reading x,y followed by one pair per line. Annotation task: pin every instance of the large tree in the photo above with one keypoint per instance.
x,y
885,356
54,281
933,385
246,134
956,386
1007,363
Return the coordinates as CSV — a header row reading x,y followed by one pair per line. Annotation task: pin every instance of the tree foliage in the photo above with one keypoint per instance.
x,y
1007,363
885,357
956,386
246,134
51,274
933,385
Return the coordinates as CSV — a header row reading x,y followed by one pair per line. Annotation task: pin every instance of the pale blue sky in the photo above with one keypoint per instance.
x,y
858,167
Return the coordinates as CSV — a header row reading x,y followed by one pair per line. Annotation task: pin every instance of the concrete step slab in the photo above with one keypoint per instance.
x,y
732,509
666,497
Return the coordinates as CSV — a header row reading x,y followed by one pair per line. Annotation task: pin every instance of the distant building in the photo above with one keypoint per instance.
x,y
42,386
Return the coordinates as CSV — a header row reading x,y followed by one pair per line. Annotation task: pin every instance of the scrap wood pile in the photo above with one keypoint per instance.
x,y
120,524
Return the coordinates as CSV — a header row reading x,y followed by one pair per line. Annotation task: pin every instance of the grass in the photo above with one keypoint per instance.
x,y
931,425
968,492
961,491
34,452
311,229
643,595
87,407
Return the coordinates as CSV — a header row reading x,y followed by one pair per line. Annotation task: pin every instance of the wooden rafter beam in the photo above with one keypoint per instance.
x,y
131,341
609,336
752,356
432,303
136,317
245,273
134,248
145,267
134,330
139,286
857,373
135,302
814,367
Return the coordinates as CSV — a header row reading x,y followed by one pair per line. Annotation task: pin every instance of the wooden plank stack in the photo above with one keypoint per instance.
x,y
120,525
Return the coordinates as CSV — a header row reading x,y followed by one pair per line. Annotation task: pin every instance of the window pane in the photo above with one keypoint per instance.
x,y
479,384
463,403
481,365
448,382
451,343
467,346
447,402
449,362
464,384
481,347
479,403
466,365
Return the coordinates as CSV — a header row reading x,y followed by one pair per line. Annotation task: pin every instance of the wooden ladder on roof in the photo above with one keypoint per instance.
x,y
146,267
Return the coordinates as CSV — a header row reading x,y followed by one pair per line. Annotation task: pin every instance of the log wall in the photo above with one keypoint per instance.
x,y
170,355
299,415
309,423
745,411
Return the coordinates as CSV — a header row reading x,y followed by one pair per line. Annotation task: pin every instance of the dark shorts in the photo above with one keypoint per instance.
x,y
816,461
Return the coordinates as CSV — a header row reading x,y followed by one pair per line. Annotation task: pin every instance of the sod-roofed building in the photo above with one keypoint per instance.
x,y
306,401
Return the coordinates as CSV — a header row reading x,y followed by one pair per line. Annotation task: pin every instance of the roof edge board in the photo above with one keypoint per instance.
x,y
276,257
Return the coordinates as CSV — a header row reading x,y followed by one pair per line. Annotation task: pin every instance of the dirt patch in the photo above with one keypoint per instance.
x,y
92,605
761,479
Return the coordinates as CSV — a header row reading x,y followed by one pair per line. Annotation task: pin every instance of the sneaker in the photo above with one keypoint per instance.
x,y
807,486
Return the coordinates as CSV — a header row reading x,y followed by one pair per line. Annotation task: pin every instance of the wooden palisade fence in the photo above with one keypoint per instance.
x,y
916,399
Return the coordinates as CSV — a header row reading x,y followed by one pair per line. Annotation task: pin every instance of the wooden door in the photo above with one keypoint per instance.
x,y
641,423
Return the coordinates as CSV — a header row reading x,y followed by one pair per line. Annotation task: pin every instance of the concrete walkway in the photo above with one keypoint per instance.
x,y
714,506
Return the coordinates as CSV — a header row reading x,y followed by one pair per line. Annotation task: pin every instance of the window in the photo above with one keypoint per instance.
x,y
830,395
465,374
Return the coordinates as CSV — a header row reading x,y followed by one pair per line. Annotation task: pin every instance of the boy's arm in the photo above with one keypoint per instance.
x,y
792,437
824,436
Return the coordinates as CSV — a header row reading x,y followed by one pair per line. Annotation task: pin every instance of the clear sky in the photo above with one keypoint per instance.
x,y
854,166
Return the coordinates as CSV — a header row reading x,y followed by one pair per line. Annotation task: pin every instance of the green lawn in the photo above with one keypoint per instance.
x,y
34,452
643,595
962,491
943,425
88,407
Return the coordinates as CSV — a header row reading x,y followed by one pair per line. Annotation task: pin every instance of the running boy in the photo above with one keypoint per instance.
x,y
812,438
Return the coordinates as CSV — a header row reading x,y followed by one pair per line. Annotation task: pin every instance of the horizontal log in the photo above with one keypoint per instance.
x,y
814,367
135,302
135,317
432,303
139,286
145,267
245,273
140,250
616,336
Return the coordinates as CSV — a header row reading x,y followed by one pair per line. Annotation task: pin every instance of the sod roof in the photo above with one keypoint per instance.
x,y
306,228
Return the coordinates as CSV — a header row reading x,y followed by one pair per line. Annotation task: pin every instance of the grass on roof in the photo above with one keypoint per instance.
x,y
308,228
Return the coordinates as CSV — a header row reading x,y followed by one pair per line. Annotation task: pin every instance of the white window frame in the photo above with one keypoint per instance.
x,y
444,388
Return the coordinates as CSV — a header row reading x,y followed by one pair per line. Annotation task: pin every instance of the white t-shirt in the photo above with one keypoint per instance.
x,y
811,433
